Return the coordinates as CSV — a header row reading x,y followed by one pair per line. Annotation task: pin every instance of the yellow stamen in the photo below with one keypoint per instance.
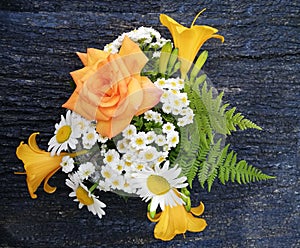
x,y
83,196
127,163
149,156
196,17
109,158
90,136
139,141
107,174
158,185
63,134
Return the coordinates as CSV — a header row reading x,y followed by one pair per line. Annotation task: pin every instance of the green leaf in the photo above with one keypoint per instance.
x,y
198,65
164,57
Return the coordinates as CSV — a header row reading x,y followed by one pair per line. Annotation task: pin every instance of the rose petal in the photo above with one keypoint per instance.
x,y
151,95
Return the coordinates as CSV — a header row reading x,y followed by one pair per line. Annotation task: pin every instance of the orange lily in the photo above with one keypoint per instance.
x,y
188,40
39,165
176,220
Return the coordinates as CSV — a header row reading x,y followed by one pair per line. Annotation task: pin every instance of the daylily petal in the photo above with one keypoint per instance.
x,y
198,210
176,220
188,40
39,165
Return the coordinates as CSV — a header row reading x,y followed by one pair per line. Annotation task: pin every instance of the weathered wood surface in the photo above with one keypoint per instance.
x,y
257,67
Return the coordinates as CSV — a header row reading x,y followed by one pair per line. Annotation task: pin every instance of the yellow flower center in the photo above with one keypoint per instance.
x,y
90,136
149,156
161,159
83,196
127,163
129,132
63,134
140,166
106,174
109,158
174,140
158,185
139,141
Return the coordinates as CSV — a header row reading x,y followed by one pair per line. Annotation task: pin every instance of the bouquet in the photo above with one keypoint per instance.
x,y
144,121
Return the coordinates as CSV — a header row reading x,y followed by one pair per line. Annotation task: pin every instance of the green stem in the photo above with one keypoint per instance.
x,y
95,185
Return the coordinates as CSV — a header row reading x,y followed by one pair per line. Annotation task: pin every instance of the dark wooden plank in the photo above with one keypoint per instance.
x,y
257,67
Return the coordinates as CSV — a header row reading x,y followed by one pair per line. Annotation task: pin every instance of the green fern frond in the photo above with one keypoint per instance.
x,y
209,167
240,172
200,153
214,170
239,120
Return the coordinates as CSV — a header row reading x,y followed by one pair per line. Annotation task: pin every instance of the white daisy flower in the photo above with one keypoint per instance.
x,y
150,137
148,115
177,103
184,99
129,132
161,83
86,170
80,122
118,167
168,128
89,138
160,186
162,157
160,140
67,164
107,172
176,111
181,122
127,157
139,166
149,154
175,83
84,196
139,140
165,97
117,182
173,139
157,118
127,185
122,145
175,92
111,157
65,136
129,165
167,108
103,185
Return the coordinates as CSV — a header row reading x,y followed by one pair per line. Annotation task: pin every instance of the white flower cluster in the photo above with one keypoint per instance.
x,y
73,131
174,101
143,36
135,152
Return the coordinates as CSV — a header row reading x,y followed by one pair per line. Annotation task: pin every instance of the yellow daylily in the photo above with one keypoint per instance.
x,y
188,40
176,220
39,165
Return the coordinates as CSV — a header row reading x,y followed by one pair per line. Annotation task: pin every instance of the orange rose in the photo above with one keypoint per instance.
x,y
110,90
